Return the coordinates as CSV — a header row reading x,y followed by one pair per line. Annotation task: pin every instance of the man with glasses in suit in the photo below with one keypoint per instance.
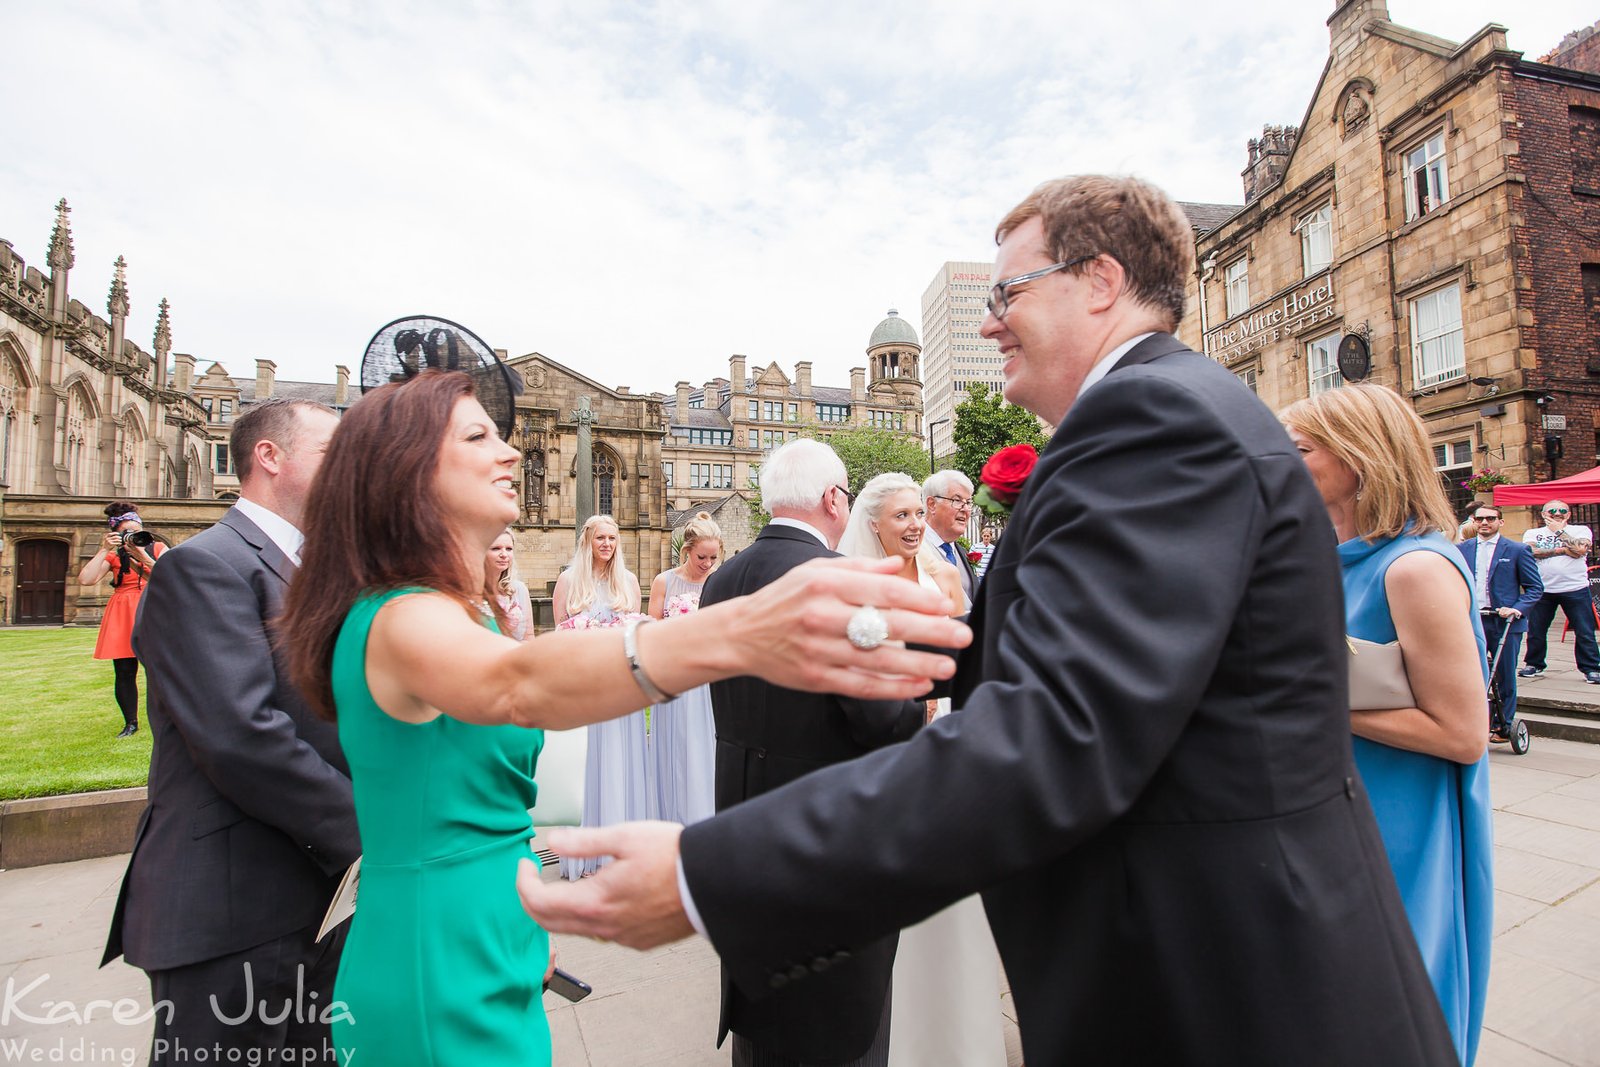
x,y
947,495
1562,551
1506,586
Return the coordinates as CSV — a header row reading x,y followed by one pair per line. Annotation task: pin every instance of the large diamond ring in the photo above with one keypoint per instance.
x,y
867,628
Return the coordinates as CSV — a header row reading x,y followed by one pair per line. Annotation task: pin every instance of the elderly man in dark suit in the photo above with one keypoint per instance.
x,y
768,736
1151,778
250,822
947,496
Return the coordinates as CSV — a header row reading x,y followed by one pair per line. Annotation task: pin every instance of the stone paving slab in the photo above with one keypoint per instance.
x,y
660,1008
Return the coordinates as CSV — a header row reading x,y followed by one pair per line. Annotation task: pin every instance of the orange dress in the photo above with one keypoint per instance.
x,y
116,625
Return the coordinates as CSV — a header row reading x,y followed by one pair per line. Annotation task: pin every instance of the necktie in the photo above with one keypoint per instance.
x,y
950,554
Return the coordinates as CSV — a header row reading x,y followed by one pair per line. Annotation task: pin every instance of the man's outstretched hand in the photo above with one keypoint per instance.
x,y
633,900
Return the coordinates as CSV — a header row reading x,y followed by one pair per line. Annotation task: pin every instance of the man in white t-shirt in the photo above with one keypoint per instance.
x,y
1562,549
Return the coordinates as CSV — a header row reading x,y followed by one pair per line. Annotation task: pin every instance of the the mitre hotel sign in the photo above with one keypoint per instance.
x,y
1267,323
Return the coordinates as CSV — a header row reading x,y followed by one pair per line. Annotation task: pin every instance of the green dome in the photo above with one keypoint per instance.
x,y
893,330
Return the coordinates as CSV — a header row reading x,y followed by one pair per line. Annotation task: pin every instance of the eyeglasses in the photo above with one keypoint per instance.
x,y
1485,518
960,503
849,497
1555,511
999,301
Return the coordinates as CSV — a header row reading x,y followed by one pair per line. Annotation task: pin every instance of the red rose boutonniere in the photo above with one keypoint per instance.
x,y
1003,478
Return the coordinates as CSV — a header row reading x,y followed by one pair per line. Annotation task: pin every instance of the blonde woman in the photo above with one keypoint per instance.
x,y
683,735
946,979
501,586
597,590
1424,766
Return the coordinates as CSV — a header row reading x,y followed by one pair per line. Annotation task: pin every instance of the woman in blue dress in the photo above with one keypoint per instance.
x,y
597,591
683,734
1425,767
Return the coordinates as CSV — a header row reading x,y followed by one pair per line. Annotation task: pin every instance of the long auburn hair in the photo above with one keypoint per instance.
x,y
588,579
373,523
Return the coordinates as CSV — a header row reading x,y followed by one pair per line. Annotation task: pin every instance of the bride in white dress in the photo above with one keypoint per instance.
x,y
945,1004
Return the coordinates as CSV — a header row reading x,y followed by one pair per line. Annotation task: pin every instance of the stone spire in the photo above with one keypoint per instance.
x,y
117,302
163,337
61,257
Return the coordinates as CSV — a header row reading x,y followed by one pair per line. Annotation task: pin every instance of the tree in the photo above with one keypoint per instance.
x,y
868,452
985,424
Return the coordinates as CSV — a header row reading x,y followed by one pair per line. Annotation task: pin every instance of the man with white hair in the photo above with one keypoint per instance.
x,y
1561,549
948,497
767,736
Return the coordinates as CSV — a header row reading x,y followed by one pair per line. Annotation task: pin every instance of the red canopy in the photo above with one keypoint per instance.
x,y
1574,489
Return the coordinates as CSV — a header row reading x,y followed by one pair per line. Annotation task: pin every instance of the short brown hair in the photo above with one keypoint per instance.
x,y
1486,507
1125,218
275,419
1375,433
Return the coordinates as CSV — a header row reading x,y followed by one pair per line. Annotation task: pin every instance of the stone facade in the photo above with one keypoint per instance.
x,y
86,415
1429,206
720,431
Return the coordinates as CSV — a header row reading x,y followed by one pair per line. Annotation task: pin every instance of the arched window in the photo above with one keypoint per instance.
x,y
79,431
130,453
605,478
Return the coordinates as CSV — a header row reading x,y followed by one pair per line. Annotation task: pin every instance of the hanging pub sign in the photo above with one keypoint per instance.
x,y
1355,359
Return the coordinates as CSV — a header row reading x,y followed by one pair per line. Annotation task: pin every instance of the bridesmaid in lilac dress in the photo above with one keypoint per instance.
x,y
683,735
597,590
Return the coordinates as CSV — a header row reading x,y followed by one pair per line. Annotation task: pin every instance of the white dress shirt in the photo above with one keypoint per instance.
x,y
280,530
1480,588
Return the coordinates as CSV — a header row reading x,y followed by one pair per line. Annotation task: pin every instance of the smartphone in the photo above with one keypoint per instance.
x,y
565,985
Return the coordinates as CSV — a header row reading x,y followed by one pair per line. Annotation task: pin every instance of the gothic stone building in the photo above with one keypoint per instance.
x,y
1440,204
85,415
719,432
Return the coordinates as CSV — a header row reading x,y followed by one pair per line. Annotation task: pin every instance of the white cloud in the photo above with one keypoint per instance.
x,y
637,190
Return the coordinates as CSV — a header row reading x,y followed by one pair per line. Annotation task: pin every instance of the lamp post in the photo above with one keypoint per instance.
x,y
933,461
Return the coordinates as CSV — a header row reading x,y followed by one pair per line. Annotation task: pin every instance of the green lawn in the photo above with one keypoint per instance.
x,y
58,721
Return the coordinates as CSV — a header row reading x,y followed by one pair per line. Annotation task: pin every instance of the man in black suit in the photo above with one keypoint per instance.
x,y
768,736
250,822
947,496
1151,777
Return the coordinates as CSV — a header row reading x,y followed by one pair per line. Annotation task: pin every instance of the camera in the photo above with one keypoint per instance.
x,y
139,539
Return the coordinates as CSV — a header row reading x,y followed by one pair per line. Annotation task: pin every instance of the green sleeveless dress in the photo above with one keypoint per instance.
x,y
441,966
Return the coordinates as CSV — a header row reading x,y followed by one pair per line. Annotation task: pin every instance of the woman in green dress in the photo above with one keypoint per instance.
x,y
440,716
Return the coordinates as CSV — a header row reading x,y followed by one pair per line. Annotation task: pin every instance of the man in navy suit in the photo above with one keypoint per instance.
x,y
1506,587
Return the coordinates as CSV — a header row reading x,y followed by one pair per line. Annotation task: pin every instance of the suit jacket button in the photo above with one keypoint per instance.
x,y
820,964
761,753
778,981
798,971
1350,788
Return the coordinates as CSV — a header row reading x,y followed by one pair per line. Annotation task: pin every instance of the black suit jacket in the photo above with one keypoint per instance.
x,y
768,736
1151,777
250,821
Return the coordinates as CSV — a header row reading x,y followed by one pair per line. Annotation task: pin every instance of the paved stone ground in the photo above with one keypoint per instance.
x,y
659,1009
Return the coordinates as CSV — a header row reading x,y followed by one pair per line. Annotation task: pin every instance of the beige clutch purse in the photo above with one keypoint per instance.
x,y
1378,676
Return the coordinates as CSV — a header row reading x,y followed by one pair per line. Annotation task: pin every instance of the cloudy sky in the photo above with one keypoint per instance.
x,y
636,190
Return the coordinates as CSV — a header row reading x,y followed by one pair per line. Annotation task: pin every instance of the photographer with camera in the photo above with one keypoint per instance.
x,y
128,553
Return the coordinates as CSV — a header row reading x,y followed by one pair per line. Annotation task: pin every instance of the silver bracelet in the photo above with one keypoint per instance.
x,y
630,649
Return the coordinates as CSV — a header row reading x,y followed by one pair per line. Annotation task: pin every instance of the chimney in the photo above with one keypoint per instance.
x,y
1349,18
1578,50
858,384
736,374
182,372
802,377
266,378
680,412
341,386
1269,158
623,390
